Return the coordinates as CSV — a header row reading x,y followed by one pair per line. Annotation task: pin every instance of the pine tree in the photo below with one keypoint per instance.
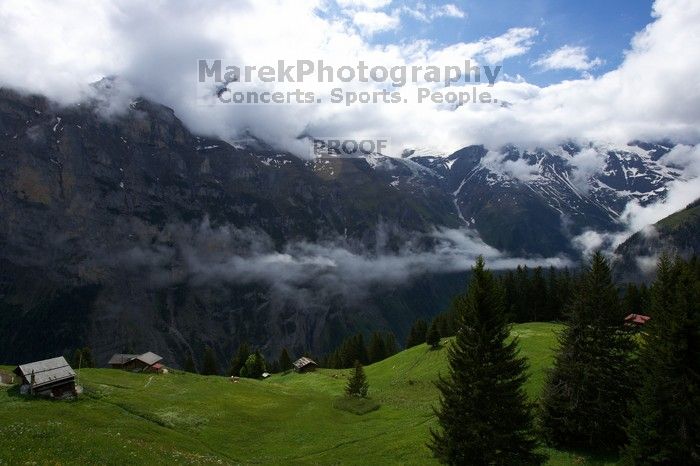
x,y
189,364
417,333
511,296
254,366
554,296
538,297
584,402
665,423
390,344
377,349
432,338
285,362
357,384
83,358
239,360
484,415
354,349
210,366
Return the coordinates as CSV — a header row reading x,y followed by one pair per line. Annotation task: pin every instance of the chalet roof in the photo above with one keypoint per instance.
x,y
121,358
149,358
303,362
637,319
46,372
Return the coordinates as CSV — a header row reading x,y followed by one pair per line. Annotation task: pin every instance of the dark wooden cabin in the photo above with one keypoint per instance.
x,y
50,377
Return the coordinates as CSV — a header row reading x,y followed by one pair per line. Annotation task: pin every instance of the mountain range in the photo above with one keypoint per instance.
x,y
125,232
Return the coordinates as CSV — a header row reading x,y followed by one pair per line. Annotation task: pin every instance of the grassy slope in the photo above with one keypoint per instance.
x,y
127,418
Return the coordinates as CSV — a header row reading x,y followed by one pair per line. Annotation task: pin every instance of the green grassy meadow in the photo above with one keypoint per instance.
x,y
180,418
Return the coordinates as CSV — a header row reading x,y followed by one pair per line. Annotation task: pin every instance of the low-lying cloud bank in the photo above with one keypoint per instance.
x,y
207,256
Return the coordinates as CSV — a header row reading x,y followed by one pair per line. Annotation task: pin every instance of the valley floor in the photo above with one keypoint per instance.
x,y
125,418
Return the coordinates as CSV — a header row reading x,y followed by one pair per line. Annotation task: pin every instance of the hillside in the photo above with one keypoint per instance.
x,y
679,233
288,419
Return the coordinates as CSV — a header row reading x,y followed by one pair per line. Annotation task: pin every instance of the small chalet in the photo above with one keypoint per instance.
x,y
146,362
304,364
50,377
636,320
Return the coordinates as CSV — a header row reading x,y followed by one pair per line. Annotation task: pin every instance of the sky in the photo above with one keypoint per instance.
x,y
603,28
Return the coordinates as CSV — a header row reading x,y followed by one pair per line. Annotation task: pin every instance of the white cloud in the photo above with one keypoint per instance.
x,y
518,169
586,164
370,22
363,4
568,57
57,49
425,13
516,41
451,10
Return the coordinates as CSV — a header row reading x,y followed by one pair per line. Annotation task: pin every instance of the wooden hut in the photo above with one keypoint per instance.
x,y
304,364
146,362
50,377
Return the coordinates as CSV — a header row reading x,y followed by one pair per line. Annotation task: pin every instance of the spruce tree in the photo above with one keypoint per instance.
x,y
189,364
484,415
357,384
417,334
586,394
210,366
432,338
377,349
537,297
665,422
83,358
239,360
285,362
254,366
390,344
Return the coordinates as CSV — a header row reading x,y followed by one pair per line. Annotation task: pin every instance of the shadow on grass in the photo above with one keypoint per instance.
x,y
355,405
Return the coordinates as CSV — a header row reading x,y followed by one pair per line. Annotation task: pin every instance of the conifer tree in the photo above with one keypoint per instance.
x,y
83,358
239,360
352,350
189,364
210,366
285,362
357,384
665,421
537,297
377,349
432,338
484,416
254,366
417,333
390,344
586,395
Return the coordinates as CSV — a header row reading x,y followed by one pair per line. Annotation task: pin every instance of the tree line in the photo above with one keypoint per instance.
x,y
612,388
531,295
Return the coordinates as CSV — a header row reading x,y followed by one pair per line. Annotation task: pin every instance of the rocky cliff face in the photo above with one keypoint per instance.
x,y
105,219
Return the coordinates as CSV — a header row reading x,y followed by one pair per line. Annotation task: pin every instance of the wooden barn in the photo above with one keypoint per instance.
x,y
146,362
304,364
50,377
